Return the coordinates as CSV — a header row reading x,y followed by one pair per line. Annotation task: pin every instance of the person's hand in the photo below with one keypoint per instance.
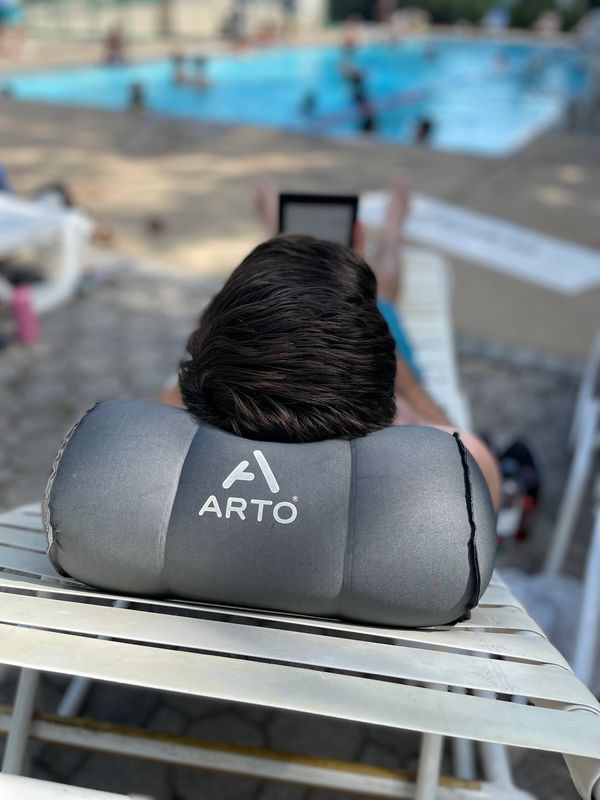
x,y
358,239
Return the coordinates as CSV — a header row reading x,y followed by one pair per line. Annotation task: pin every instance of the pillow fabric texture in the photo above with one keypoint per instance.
x,y
396,528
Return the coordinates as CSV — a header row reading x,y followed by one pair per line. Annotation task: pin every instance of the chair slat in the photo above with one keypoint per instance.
x,y
504,618
499,596
20,518
36,542
26,561
521,646
295,689
25,539
406,663
31,508
17,787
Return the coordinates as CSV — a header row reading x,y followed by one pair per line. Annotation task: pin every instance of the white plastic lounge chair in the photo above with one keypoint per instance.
x,y
577,483
492,242
585,440
28,224
589,390
48,623
426,309
588,631
16,787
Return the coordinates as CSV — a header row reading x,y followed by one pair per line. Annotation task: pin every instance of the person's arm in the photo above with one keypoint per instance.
x,y
412,392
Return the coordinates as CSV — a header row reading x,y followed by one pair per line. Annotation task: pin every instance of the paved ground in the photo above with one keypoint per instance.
x,y
198,179
122,340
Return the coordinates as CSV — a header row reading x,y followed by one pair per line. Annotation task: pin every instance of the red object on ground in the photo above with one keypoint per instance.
x,y
529,506
25,318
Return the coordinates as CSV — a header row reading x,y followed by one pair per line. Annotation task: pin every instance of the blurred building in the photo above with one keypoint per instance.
x,y
82,19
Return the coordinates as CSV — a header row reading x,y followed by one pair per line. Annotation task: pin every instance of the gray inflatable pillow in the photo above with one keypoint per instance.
x,y
395,528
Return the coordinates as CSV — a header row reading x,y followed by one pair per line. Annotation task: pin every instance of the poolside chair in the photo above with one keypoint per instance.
x,y
24,223
588,632
584,438
48,623
491,242
426,309
589,390
16,787
585,441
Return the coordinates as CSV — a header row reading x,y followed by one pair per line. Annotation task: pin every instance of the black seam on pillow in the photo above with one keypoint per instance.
x,y
472,547
349,549
48,527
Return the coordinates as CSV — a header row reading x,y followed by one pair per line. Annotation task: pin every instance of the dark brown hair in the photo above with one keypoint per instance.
x,y
293,348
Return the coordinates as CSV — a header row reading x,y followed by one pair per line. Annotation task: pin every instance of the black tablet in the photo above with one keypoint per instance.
x,y
329,217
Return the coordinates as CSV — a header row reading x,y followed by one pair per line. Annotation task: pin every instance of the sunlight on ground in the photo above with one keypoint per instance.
x,y
555,196
571,174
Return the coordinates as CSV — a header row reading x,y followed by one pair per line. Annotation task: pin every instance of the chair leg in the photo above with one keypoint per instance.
x,y
74,697
463,752
589,620
586,392
430,762
585,772
463,759
576,485
495,764
15,750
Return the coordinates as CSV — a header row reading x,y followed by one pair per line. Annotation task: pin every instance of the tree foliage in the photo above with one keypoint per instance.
x,y
446,12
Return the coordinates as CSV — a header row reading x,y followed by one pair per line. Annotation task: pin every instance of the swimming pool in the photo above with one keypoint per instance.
x,y
482,97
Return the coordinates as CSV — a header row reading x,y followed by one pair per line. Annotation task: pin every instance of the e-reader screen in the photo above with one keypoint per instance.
x,y
325,217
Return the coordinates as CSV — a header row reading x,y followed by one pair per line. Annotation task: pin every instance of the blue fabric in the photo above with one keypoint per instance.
x,y
10,13
403,345
4,183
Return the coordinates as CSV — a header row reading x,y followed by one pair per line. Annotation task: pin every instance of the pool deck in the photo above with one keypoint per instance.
x,y
123,337
198,178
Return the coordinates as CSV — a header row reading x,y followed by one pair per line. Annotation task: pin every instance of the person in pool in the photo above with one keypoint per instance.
x,y
114,47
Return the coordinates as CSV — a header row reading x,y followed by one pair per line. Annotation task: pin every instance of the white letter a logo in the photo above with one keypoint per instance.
x,y
240,474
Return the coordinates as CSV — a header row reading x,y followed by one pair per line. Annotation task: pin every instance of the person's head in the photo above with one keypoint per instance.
x,y
137,98
424,131
115,34
293,348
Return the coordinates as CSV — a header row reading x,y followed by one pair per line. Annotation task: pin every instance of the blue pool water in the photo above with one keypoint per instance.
x,y
487,98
